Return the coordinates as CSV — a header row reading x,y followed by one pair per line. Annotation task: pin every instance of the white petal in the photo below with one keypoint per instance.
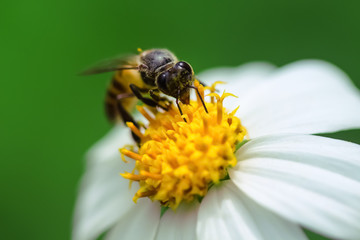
x,y
311,180
139,223
227,213
303,97
180,224
104,195
242,79
108,147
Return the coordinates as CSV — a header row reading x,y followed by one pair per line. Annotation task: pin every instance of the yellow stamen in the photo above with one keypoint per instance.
x,y
144,194
212,89
220,103
134,129
151,175
196,83
177,160
201,91
131,154
206,125
218,106
234,111
131,147
142,110
133,177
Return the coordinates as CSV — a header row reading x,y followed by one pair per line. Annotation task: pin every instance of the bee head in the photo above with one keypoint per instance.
x,y
176,80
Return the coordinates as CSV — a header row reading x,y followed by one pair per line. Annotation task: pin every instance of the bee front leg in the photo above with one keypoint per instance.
x,y
155,94
199,95
125,115
148,101
178,105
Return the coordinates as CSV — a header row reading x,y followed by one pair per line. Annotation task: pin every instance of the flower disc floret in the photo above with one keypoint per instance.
x,y
177,160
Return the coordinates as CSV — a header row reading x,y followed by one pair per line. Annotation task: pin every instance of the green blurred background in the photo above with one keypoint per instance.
x,y
50,116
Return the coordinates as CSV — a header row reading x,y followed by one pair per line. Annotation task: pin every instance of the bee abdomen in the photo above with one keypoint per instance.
x,y
116,87
110,111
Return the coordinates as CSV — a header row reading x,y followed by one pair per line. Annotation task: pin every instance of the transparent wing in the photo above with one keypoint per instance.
x,y
113,64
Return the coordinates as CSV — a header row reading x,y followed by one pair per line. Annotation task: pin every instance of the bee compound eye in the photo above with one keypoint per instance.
x,y
162,80
185,66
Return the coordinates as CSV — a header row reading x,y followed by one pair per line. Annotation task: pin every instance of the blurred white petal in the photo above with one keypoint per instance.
x,y
104,195
302,97
139,223
227,213
107,148
311,180
179,225
242,78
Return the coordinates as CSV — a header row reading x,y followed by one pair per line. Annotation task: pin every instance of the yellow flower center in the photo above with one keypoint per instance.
x,y
177,160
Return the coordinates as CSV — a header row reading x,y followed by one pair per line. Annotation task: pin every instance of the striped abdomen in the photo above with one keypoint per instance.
x,y
119,86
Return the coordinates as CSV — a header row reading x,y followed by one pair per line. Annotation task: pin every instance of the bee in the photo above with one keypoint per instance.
x,y
145,76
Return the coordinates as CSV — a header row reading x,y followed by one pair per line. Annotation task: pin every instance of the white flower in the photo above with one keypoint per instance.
x,y
284,178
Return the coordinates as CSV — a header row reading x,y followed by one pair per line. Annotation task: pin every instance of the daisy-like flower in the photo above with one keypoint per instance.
x,y
247,173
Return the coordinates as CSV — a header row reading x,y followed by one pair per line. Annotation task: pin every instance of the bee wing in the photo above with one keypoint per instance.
x,y
113,64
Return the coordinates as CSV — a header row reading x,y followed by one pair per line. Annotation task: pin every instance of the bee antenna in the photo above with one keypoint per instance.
x,y
199,95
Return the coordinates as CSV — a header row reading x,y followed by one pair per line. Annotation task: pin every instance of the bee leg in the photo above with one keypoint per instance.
x,y
199,95
148,101
125,115
154,94
177,104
